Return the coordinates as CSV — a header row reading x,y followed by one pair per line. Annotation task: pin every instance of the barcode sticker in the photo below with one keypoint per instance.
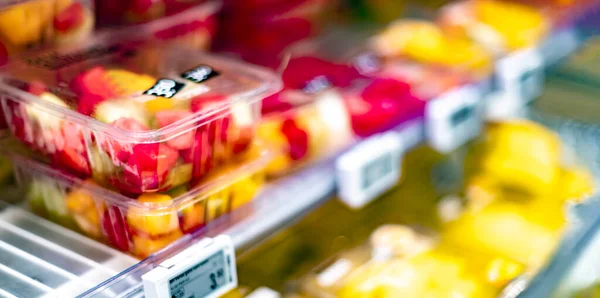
x,y
559,46
520,75
369,169
454,118
205,269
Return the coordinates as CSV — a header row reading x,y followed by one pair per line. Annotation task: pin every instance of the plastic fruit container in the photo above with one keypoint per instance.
x,y
193,28
127,12
138,117
26,24
147,223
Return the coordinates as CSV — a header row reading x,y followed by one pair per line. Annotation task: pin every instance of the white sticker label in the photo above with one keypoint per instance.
x,y
559,46
454,118
520,75
369,169
205,269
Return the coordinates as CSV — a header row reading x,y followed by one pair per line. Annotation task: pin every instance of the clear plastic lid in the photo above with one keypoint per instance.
x,y
141,79
138,116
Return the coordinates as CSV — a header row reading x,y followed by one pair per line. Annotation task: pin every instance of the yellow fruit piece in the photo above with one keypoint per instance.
x,y
521,155
155,221
159,104
83,207
127,82
501,271
576,184
217,204
418,39
244,191
308,120
193,216
520,25
79,200
144,247
26,23
269,130
504,229
396,278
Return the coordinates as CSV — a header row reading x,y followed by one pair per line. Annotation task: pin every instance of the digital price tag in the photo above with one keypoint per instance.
x,y
205,269
369,169
454,118
520,75
559,46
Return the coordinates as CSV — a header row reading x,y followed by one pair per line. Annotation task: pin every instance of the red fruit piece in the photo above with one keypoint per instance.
x,y
115,228
200,155
70,18
205,101
153,157
302,70
3,54
111,146
73,161
148,167
383,88
92,88
275,103
297,139
183,141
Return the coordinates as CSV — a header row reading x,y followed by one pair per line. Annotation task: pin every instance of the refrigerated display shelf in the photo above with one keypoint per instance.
x,y
277,206
41,259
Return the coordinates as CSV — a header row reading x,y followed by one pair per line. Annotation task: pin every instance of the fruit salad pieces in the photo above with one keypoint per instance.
x,y
149,222
408,46
36,22
132,120
500,26
324,105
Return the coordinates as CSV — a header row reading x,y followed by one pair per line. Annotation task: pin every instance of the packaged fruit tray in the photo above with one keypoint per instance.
x,y
28,23
139,117
193,28
142,225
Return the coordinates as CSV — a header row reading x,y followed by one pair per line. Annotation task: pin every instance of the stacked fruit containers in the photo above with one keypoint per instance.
x,y
142,142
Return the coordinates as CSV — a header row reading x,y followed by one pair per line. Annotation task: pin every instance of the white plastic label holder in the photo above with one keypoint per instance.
x,y
369,169
205,269
454,118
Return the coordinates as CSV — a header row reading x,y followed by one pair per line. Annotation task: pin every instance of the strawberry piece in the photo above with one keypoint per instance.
x,y
200,155
297,139
111,146
115,228
73,161
70,18
137,182
183,141
92,88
